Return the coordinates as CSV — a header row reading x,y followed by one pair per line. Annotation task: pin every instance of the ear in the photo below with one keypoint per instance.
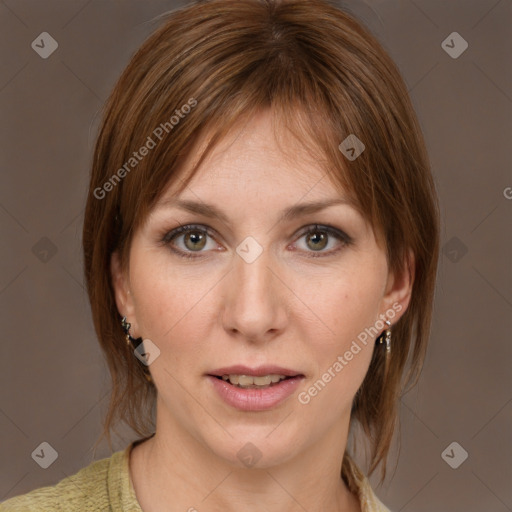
x,y
121,285
399,287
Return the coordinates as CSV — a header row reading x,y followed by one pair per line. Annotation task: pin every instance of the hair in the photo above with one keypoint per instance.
x,y
324,76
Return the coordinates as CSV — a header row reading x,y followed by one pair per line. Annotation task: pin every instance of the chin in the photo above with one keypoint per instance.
x,y
254,448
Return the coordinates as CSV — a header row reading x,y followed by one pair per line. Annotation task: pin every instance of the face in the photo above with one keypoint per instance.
x,y
301,296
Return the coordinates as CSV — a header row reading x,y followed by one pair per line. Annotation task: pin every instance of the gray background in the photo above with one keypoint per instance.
x,y
54,381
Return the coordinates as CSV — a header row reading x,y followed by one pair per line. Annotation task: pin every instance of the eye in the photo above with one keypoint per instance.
x,y
193,238
318,237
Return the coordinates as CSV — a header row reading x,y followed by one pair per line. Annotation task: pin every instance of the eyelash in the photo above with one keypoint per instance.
x,y
345,239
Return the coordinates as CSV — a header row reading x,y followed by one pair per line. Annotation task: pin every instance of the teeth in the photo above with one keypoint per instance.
x,y
248,381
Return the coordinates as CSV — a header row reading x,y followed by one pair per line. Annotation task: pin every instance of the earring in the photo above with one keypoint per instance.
x,y
129,338
387,337
135,342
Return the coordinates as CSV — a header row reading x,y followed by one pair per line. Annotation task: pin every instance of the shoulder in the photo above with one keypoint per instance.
x,y
85,491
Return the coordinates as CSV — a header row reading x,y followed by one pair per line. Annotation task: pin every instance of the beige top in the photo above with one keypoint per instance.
x,y
105,486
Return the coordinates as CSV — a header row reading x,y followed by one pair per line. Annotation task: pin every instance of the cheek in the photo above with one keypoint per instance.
x,y
170,308
347,311
348,305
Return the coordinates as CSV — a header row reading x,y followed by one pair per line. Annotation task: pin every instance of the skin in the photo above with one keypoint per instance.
x,y
285,308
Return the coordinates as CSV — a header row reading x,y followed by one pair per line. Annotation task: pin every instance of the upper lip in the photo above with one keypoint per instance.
x,y
241,369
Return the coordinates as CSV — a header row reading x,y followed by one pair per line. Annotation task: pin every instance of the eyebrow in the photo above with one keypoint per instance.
x,y
209,210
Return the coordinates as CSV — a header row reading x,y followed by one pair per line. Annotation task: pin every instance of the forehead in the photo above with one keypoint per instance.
x,y
258,155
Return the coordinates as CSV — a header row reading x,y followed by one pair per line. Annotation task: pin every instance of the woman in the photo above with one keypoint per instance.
x,y
260,242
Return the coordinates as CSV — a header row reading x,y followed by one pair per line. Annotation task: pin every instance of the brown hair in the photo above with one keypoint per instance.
x,y
326,77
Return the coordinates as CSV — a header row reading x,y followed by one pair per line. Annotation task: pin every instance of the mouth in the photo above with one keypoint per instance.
x,y
252,381
255,389
260,377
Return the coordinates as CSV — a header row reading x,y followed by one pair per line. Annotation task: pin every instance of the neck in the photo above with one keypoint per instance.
x,y
173,468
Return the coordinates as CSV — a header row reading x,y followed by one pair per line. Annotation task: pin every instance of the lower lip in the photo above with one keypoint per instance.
x,y
253,399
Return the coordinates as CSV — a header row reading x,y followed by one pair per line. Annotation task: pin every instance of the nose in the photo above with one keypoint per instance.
x,y
255,306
